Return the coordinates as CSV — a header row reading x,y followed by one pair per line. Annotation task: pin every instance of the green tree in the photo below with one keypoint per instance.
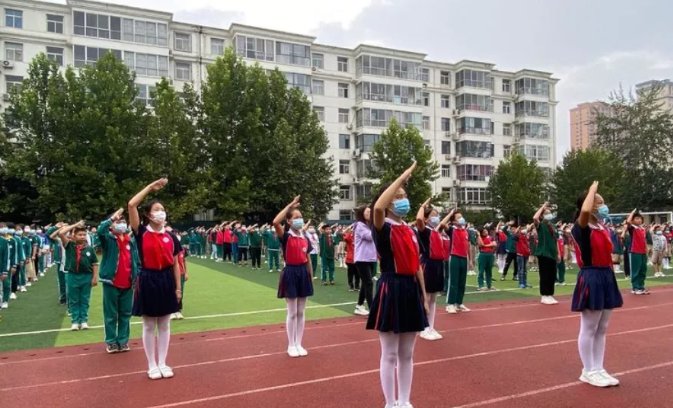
x,y
579,169
265,144
639,131
517,187
394,152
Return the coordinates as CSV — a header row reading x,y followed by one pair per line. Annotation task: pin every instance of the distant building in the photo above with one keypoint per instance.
x,y
582,123
665,94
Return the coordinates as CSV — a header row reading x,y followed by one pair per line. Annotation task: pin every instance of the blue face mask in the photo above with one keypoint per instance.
x,y
401,207
603,211
462,222
433,221
120,228
297,224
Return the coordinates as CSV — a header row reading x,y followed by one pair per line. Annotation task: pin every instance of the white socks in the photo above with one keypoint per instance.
x,y
161,341
397,351
295,321
591,340
432,306
501,262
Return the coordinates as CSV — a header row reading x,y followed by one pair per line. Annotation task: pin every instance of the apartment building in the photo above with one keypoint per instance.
x,y
582,123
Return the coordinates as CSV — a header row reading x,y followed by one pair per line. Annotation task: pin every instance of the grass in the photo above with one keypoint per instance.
x,y
215,289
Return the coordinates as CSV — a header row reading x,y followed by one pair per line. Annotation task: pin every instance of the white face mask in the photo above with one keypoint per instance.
x,y
158,216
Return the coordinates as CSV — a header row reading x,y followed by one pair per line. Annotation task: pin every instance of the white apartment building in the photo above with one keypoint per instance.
x,y
471,114
665,91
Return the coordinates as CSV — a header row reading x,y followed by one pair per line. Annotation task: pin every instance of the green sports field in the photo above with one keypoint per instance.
x,y
217,296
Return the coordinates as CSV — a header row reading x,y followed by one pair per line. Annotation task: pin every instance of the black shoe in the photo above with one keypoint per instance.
x,y
124,348
111,348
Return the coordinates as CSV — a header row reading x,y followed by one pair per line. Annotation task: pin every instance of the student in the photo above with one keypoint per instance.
x,y
235,259
365,258
194,244
182,264
314,239
458,263
596,292
626,240
339,245
220,247
659,248
59,259
5,266
27,272
546,252
637,253
228,240
7,236
617,247
243,245
501,240
522,255
472,237
433,253
157,290
272,249
81,263
118,272
295,283
255,239
487,247
400,305
20,262
327,248
353,277
560,260
510,248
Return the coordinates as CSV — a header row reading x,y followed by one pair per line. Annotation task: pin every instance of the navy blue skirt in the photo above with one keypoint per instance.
x,y
397,306
433,275
596,289
154,293
295,282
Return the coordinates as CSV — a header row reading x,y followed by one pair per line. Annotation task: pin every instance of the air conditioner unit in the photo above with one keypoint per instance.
x,y
456,183
314,69
349,126
356,153
456,160
5,97
455,136
7,64
447,157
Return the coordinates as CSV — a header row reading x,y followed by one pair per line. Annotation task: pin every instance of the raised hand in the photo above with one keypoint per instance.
x,y
158,184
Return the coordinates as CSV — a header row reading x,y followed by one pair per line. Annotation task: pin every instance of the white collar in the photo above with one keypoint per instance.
x,y
393,222
295,234
149,228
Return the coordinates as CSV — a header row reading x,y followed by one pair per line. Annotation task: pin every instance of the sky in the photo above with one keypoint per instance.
x,y
592,46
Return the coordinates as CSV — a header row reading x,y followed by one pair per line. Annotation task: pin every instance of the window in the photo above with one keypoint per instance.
x,y
345,193
183,71
14,18
397,94
470,148
293,54
366,143
446,147
89,55
535,152
318,60
446,124
446,170
13,51
381,118
445,78
183,42
146,64
425,74
344,141
97,25
255,48
426,99
144,32
365,168
507,107
320,112
299,81
532,86
532,108
343,90
390,67
426,122
445,101
474,172
532,131
477,126
318,87
55,54
342,64
507,129
13,83
506,86
345,215
506,151
474,79
471,195
344,166
146,94
472,102
216,46
343,115
54,23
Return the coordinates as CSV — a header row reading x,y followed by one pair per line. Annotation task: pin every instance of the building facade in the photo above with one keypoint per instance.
x,y
582,123
665,91
471,114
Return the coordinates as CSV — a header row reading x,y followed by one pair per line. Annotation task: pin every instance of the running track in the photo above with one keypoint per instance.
x,y
502,354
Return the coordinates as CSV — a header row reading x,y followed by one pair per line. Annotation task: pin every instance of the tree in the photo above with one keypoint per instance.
x,y
394,152
265,144
579,169
517,187
639,132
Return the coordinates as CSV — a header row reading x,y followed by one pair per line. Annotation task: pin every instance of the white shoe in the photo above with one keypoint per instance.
x,y
407,405
84,326
427,334
23,289
436,335
28,284
292,352
42,275
451,309
594,378
154,374
361,311
612,380
166,371
552,301
74,327
12,296
302,351
463,308
4,305
179,316
173,316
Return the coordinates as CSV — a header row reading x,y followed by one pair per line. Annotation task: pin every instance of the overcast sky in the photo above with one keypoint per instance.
x,y
592,46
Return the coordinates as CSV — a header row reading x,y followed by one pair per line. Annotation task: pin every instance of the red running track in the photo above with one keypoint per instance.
x,y
514,354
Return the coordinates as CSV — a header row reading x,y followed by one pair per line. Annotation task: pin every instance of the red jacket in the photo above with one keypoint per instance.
x,y
522,246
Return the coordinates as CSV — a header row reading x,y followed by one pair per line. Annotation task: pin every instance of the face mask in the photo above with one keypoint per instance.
x,y
18,232
603,211
401,207
659,233
433,221
297,224
26,230
548,217
462,221
3,231
120,228
159,216
311,230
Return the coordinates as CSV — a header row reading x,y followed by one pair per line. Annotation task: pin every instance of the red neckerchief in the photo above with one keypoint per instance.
x,y
78,255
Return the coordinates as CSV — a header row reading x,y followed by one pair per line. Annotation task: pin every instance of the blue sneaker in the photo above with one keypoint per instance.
x,y
522,286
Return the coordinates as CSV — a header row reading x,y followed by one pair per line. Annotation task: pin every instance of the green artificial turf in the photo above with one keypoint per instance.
x,y
216,289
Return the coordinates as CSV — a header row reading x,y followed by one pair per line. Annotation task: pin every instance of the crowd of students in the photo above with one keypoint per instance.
x,y
143,269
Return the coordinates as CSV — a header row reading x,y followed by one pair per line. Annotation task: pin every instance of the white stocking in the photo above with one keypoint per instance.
x,y
589,322
301,320
599,340
405,366
149,326
164,338
291,321
389,349
432,305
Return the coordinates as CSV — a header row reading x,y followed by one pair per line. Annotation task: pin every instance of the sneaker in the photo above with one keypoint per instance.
x,y
111,348
331,283
84,326
166,371
4,305
406,405
482,289
154,374
463,308
451,309
12,296
436,335
23,289
612,380
123,348
552,301
594,378
545,300
302,351
323,283
292,352
74,327
361,311
427,334
522,286
492,289
638,292
179,316
28,284
471,273
41,274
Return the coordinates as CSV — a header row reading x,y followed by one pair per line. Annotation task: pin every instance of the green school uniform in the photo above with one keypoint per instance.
x,y
510,244
273,249
327,245
27,245
57,251
80,275
546,241
10,246
255,239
